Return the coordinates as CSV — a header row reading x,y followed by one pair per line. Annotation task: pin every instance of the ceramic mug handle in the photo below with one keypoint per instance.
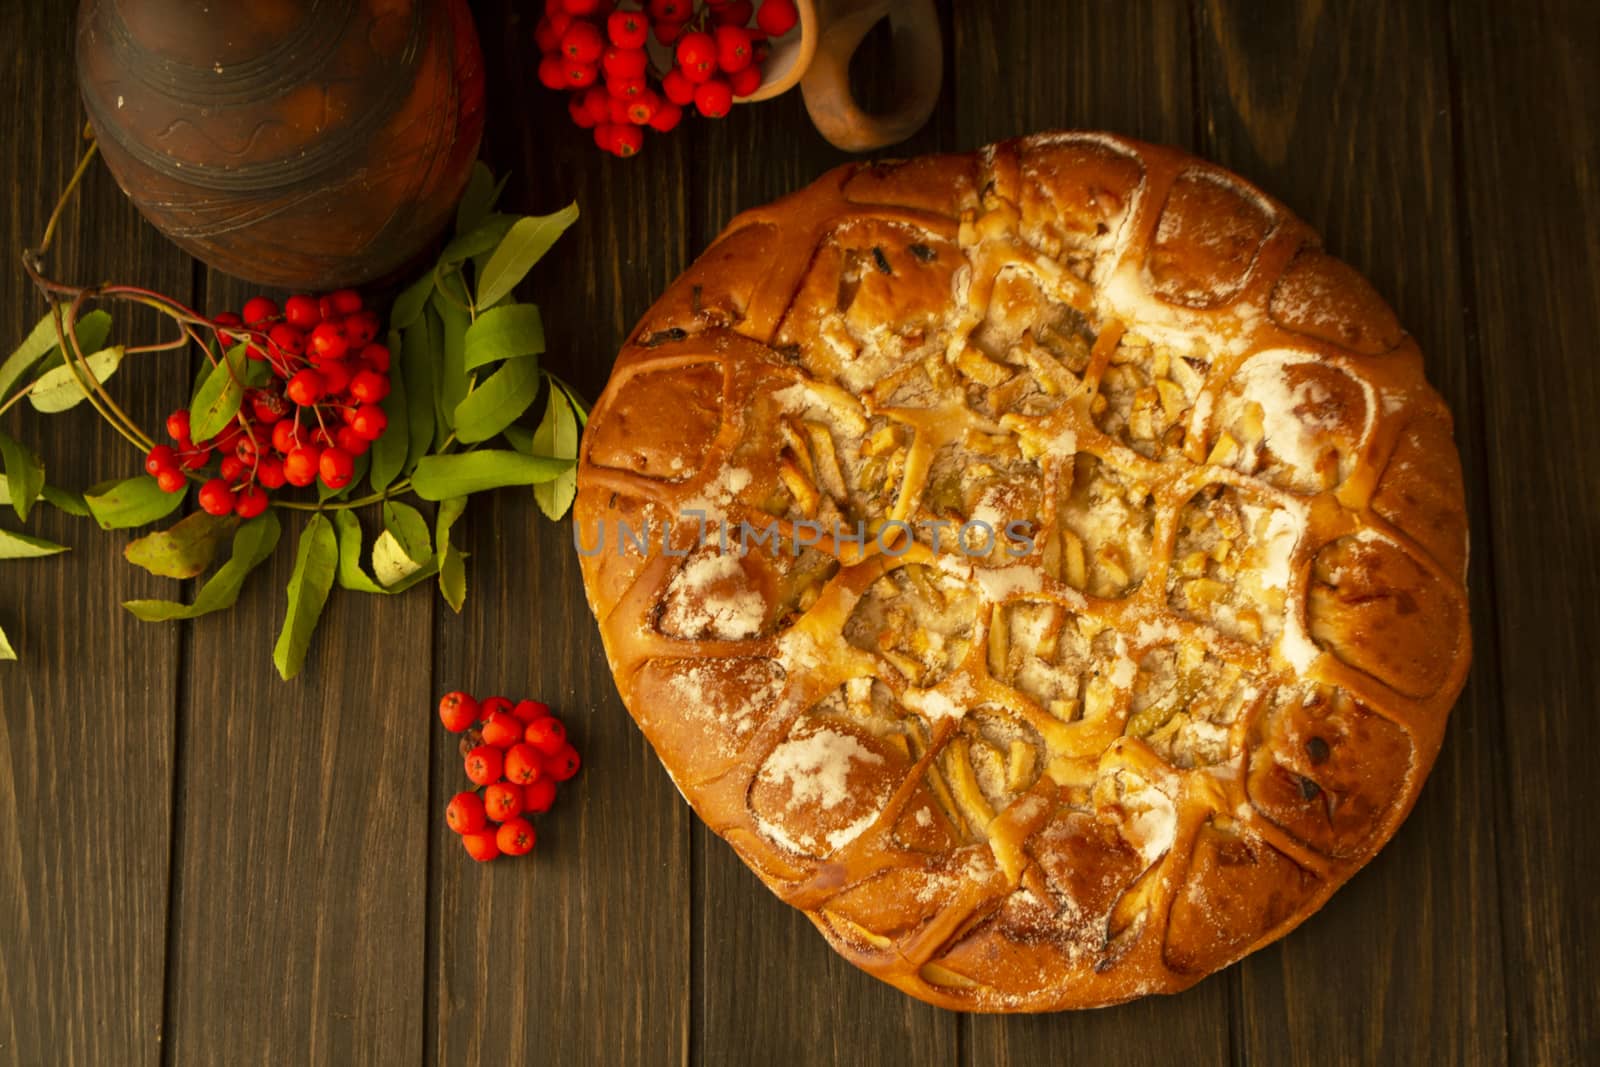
x,y
918,69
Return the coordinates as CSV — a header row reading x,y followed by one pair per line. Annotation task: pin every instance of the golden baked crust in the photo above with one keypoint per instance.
x,y
1203,665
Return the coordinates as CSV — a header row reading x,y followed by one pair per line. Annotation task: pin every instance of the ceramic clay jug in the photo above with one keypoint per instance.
x,y
307,144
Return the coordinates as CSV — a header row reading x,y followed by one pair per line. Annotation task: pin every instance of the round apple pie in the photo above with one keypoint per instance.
x,y
1044,566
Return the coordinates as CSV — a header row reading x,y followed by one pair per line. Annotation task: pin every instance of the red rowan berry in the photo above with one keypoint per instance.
x,y
465,812
494,706
285,436
300,465
628,29
583,42
369,421
336,466
546,734
376,357
485,764
577,75
457,710
328,341
713,99
733,13
171,481
746,81
302,312
178,425
360,328
515,837
252,501
232,469
269,472
643,108
503,801
553,71
627,141
733,47
346,438
537,796
336,376
523,763
305,388
160,458
193,459
288,339
258,311
624,62
501,729
345,302
697,55
369,387
777,17
480,845
216,498
677,87
529,710
563,765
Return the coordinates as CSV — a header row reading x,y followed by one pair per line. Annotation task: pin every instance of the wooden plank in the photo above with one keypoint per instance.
x,y
86,717
766,980
579,952
1123,68
1339,110
1527,114
300,884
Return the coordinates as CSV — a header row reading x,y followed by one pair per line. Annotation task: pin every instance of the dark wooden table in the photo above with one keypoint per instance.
x,y
202,864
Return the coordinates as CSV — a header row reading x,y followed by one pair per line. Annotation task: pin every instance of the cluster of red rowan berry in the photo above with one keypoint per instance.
x,y
319,412
516,754
600,51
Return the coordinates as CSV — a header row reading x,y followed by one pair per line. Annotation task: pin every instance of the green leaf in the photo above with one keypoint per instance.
x,y
252,544
557,436
132,502
453,381
217,399
419,364
410,531
497,401
39,348
572,398
452,561
24,474
58,390
389,450
21,546
528,240
314,567
479,197
40,340
485,237
184,551
409,304
65,500
7,653
390,562
464,473
62,499
351,575
504,332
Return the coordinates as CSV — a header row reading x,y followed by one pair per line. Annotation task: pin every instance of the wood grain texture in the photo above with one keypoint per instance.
x,y
1341,110
580,952
319,910
299,893
1529,130
766,978
86,717
1123,68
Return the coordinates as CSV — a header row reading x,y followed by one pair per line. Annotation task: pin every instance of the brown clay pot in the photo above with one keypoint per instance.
x,y
306,144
